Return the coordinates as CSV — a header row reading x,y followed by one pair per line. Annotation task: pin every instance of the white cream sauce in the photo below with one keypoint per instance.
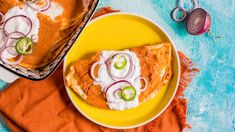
x,y
124,71
18,24
54,11
105,80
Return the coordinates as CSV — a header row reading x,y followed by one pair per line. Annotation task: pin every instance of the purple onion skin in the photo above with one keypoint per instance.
x,y
207,25
120,81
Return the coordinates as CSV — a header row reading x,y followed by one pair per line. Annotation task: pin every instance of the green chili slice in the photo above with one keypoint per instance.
x,y
128,93
24,46
120,63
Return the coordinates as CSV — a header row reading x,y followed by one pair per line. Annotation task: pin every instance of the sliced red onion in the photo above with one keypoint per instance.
x,y
36,7
16,35
5,55
12,42
115,83
116,93
130,70
3,39
93,70
7,25
145,83
2,18
12,50
199,22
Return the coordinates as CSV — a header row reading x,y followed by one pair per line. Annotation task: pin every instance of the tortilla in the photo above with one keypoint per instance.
x,y
155,62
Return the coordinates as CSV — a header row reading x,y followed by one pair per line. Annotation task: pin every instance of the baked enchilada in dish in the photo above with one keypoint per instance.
x,y
120,80
33,32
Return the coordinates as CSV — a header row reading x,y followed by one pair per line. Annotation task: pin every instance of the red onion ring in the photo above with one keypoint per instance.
x,y
12,50
130,71
195,5
16,35
199,22
39,8
5,55
174,14
145,82
120,81
93,70
3,40
12,42
115,93
2,18
28,21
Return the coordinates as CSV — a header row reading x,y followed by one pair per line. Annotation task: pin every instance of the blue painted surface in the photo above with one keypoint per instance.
x,y
212,94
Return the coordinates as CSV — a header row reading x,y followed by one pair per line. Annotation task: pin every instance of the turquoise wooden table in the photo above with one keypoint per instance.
x,y
212,94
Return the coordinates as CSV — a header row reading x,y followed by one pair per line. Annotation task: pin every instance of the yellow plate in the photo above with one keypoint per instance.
x,y
118,31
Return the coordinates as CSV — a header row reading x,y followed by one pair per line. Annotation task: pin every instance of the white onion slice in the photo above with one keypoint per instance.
x,y
145,83
93,70
5,55
8,27
43,8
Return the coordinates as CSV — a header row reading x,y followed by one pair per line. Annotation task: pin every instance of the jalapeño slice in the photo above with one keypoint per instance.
x,y
128,93
24,46
120,63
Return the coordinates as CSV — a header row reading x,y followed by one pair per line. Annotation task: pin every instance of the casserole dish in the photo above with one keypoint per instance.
x,y
9,73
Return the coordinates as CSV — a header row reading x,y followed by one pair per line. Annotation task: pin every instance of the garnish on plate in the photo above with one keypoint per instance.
x,y
128,93
24,46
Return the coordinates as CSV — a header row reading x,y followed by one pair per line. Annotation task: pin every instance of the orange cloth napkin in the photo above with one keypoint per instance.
x,y
44,105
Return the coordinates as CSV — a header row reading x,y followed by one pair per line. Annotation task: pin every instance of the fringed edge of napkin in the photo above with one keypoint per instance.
x,y
179,103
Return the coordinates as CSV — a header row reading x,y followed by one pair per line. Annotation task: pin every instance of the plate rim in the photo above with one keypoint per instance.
x,y
177,81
